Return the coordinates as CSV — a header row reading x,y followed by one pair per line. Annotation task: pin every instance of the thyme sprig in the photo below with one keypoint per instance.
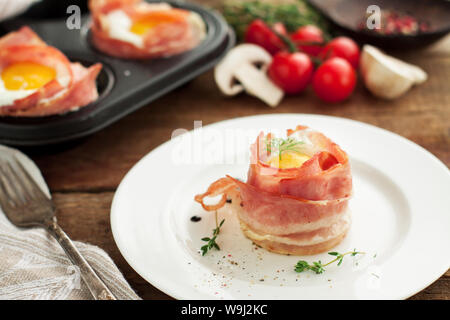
x,y
318,267
211,242
281,145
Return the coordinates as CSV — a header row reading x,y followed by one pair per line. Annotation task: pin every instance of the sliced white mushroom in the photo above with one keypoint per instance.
x,y
244,68
388,77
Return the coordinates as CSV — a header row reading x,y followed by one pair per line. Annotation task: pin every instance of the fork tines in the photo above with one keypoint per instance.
x,y
17,187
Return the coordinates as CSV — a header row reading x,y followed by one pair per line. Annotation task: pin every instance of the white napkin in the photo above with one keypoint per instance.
x,y
34,266
10,8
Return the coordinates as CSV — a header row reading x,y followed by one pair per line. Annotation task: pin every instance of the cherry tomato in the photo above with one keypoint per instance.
x,y
259,33
334,80
342,47
292,72
307,34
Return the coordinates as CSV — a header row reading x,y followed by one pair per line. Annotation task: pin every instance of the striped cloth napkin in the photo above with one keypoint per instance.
x,y
34,266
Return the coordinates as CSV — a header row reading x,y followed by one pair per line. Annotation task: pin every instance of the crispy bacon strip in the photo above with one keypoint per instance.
x,y
223,186
22,36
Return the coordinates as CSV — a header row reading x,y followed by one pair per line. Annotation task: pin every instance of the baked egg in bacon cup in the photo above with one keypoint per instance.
x,y
140,30
38,80
295,200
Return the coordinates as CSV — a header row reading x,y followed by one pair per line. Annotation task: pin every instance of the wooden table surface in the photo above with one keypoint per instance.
x,y
84,176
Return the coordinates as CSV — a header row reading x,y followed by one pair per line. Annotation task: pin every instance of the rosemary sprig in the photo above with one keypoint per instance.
x,y
318,267
211,242
281,145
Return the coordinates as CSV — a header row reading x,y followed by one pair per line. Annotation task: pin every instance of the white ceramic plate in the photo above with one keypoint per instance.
x,y
401,217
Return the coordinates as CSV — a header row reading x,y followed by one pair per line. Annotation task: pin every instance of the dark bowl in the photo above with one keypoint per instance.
x,y
346,16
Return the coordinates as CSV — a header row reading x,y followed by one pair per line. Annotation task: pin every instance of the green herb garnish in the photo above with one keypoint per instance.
x,y
318,267
240,13
211,242
280,145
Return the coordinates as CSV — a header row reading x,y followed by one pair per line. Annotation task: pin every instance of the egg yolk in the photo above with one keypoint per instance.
x,y
142,26
27,76
288,160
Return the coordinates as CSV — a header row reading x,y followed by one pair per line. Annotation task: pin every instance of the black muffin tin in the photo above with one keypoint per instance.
x,y
124,85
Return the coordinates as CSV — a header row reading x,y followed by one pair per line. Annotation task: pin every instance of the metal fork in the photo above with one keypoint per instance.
x,y
26,205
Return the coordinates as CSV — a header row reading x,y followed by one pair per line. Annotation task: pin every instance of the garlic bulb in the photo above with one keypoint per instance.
x,y
387,77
